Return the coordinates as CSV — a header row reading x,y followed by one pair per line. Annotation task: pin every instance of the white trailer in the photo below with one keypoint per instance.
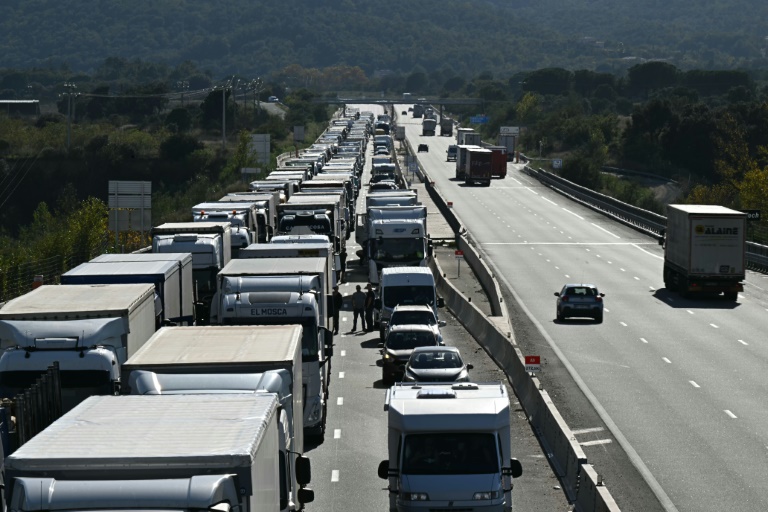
x,y
166,276
138,453
449,448
285,291
299,250
705,249
234,359
266,209
183,261
89,329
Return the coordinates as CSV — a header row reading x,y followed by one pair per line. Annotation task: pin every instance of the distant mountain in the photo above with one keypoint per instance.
x,y
501,36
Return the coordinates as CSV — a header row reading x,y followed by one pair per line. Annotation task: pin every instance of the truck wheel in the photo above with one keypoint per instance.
x,y
732,296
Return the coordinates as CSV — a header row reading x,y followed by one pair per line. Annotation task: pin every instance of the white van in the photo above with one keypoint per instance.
x,y
407,286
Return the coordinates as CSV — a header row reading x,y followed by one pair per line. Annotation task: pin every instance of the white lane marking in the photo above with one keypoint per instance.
x,y
606,309
690,312
340,400
593,443
644,340
637,278
344,318
603,229
343,353
694,384
622,269
588,250
341,375
549,200
516,181
587,430
647,252
729,413
557,268
335,475
567,276
574,214
743,342
531,190
715,326
666,360
623,324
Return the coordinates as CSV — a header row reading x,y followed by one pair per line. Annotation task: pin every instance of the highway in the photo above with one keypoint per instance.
x,y
680,384
344,465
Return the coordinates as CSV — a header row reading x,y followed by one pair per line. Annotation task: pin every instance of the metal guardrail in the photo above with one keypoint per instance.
x,y
646,221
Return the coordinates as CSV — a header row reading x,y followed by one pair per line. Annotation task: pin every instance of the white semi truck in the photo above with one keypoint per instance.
x,y
449,448
89,329
285,291
225,360
209,244
705,250
265,203
138,453
242,216
393,236
299,250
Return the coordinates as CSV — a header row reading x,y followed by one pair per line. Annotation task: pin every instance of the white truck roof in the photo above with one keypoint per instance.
x,y
706,209
393,271
448,407
300,239
119,268
261,266
114,432
75,301
183,257
170,228
218,344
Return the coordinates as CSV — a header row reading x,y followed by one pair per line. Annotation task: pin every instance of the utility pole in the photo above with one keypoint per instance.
x,y
69,86
183,85
224,118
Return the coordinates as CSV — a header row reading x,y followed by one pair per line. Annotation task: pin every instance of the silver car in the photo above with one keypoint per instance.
x,y
580,300
436,364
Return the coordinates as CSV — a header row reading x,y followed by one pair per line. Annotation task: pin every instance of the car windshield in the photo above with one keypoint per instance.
x,y
436,359
581,291
450,454
410,340
408,294
412,317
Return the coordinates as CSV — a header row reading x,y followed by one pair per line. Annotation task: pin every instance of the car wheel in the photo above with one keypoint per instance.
x,y
559,316
599,318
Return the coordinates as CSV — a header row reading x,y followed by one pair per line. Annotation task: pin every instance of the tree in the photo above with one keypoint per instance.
x,y
652,75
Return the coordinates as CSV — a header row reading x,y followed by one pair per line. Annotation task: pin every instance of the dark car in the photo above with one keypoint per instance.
x,y
580,300
397,348
423,148
436,364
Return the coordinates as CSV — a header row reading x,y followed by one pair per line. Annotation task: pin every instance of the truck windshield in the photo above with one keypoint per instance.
x,y
397,249
459,453
76,385
299,225
410,294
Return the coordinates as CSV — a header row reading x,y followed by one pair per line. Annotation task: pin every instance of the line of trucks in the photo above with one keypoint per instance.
x,y
191,375
476,163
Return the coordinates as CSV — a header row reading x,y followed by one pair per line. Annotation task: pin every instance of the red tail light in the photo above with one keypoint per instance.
x,y
564,297
598,299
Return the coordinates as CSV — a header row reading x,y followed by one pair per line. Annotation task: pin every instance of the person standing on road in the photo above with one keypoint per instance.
x,y
358,308
343,264
338,302
370,298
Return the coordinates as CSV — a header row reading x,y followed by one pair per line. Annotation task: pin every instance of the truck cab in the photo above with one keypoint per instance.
x,y
449,448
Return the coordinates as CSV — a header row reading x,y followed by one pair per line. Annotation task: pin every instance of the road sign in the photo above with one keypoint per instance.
x,y
557,163
752,214
533,364
450,204
478,119
509,130
459,255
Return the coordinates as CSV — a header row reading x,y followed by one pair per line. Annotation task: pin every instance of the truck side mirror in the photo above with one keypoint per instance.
x,y
441,323
303,470
384,469
377,303
470,366
305,496
515,469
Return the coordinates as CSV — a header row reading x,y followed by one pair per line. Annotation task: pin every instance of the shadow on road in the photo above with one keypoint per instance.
x,y
700,301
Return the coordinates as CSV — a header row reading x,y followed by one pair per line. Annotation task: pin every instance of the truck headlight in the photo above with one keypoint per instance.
x,y
415,496
387,356
486,495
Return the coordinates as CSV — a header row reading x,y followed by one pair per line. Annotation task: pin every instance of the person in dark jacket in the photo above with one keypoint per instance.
x,y
338,302
358,308
370,298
